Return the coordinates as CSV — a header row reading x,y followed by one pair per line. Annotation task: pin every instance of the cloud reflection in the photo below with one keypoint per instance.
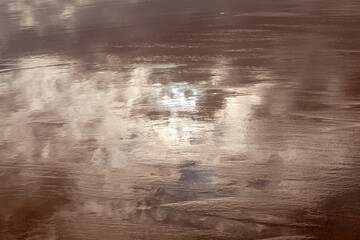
x,y
124,117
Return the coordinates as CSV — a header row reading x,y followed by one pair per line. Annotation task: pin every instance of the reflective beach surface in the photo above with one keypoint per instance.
x,y
160,119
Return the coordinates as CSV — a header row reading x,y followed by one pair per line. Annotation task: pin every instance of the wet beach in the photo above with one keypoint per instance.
x,y
159,119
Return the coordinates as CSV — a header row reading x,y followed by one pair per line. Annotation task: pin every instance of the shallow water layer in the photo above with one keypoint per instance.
x,y
163,119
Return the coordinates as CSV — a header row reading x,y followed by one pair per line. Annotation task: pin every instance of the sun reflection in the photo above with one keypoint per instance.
x,y
179,97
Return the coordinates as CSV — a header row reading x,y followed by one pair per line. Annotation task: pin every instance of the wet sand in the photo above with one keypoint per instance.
x,y
161,119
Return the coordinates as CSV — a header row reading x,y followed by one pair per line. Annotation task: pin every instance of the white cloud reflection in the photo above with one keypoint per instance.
x,y
47,86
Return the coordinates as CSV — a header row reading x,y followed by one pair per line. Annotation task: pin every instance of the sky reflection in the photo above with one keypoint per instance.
x,y
139,119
